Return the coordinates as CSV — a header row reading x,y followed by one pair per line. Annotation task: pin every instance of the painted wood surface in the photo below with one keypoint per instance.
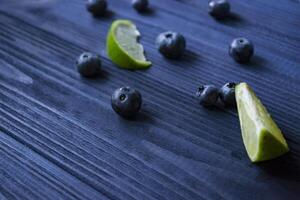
x,y
60,139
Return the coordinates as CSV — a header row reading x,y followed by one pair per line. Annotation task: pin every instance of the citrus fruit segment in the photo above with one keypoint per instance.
x,y
261,136
123,47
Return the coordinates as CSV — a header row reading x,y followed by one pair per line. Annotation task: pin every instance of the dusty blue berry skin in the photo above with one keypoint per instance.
x,y
126,101
219,9
171,44
97,7
241,50
88,64
227,94
207,95
140,5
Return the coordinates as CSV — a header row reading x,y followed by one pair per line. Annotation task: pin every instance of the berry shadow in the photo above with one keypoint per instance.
x,y
107,15
232,20
188,57
100,77
141,117
220,107
257,63
148,12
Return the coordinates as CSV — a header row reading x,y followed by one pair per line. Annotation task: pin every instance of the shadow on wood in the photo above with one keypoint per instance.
x,y
286,167
233,19
149,12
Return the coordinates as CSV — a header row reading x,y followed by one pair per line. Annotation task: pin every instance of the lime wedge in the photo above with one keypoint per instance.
x,y
262,138
123,48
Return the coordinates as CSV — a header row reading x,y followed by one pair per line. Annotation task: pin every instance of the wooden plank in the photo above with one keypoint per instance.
x,y
60,139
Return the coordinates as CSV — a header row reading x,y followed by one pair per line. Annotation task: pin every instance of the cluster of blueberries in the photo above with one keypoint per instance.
x,y
208,95
127,101
98,7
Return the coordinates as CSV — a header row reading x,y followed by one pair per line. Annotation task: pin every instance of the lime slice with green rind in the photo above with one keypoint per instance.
x,y
123,47
262,137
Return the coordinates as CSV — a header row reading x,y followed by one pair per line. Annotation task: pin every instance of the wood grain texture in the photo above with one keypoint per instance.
x,y
60,139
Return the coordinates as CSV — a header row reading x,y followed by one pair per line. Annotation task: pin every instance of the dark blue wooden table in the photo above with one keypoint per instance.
x,y
60,139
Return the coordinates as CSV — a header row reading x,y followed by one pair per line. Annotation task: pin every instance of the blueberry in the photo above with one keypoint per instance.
x,y
171,44
88,64
219,8
207,95
227,94
126,101
97,7
241,50
140,5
